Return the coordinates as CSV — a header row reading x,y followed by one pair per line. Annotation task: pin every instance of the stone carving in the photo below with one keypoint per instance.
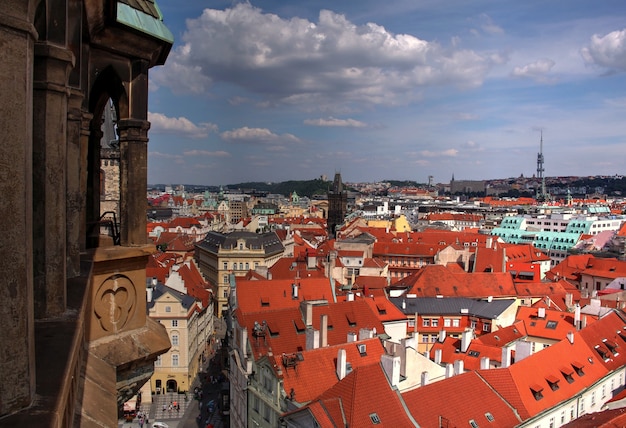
x,y
115,303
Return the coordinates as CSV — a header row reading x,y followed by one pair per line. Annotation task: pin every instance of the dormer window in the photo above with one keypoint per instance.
x,y
611,345
553,382
604,353
567,374
578,367
537,391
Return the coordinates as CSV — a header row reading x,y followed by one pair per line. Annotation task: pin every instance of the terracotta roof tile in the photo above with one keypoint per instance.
x,y
467,397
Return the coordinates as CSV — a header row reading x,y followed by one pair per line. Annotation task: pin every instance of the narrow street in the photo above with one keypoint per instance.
x,y
195,409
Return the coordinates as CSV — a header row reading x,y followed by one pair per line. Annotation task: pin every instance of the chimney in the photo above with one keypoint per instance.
x,y
570,337
294,291
569,300
310,261
308,313
341,364
458,367
506,357
523,349
149,294
466,339
391,366
438,353
403,304
541,312
312,338
488,242
490,299
583,323
442,336
365,333
577,316
244,341
350,296
351,337
449,370
484,363
154,281
425,378
324,331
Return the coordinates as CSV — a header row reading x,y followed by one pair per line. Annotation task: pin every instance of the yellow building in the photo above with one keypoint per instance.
x,y
219,255
189,327
399,224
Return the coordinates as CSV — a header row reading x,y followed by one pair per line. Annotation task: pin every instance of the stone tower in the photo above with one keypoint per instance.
x,y
76,340
337,205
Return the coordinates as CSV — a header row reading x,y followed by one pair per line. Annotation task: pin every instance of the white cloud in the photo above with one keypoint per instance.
x,y
178,159
443,153
607,51
257,135
537,70
468,116
217,154
300,61
488,26
333,122
179,125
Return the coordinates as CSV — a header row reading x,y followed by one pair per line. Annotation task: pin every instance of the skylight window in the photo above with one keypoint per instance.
x,y
374,418
489,417
473,423
552,325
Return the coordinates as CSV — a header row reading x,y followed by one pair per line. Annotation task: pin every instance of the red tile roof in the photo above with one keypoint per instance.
x,y
313,372
363,394
516,383
457,400
554,325
286,327
278,293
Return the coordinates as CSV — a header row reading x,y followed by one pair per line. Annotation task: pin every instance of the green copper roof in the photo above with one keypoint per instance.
x,y
145,16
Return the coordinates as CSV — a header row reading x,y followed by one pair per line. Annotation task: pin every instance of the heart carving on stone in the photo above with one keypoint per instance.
x,y
115,302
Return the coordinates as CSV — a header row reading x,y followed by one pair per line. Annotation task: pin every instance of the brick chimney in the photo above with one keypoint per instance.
x,y
438,353
466,339
484,363
449,370
323,331
391,365
366,333
506,357
312,338
458,367
341,364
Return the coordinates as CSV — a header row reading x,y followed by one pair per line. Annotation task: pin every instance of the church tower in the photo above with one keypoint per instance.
x,y
337,205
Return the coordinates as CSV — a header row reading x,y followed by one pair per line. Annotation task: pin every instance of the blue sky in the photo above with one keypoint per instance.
x,y
273,90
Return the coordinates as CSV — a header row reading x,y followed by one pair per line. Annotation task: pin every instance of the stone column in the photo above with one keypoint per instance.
x,y
133,133
50,98
17,361
75,197
133,181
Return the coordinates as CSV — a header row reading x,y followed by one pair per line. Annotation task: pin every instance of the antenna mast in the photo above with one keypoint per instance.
x,y
542,194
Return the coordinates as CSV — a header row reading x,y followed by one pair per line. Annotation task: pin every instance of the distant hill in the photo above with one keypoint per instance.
x,y
308,188
404,183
